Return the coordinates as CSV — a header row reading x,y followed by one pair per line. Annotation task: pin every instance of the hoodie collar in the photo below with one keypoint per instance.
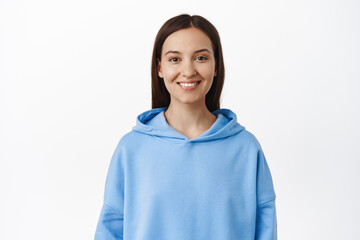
x,y
153,122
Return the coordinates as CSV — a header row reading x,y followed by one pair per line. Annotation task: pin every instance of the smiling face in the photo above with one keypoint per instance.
x,y
187,56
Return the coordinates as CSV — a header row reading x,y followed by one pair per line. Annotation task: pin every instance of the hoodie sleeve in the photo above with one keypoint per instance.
x,y
266,220
110,223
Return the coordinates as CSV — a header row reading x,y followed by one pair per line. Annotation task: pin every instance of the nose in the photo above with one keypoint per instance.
x,y
188,69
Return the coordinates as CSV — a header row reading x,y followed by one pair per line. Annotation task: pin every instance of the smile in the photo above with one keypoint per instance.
x,y
189,86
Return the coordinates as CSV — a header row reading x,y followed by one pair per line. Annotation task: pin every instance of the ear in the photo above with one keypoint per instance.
x,y
158,68
215,73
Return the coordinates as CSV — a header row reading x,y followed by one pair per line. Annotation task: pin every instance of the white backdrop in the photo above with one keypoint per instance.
x,y
75,74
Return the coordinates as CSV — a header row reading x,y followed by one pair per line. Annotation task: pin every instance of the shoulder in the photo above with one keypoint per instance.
x,y
129,140
248,139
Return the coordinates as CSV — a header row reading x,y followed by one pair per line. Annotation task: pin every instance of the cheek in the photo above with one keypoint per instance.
x,y
207,71
170,73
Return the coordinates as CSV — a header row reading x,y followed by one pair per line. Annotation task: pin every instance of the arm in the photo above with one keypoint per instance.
x,y
110,224
266,220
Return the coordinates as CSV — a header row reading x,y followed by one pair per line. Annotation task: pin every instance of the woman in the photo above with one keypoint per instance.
x,y
188,170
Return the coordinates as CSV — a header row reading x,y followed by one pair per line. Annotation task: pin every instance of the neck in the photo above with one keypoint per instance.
x,y
189,119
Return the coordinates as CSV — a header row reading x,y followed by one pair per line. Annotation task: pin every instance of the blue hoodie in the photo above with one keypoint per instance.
x,y
162,185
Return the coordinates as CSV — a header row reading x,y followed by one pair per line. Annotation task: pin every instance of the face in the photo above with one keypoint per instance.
x,y
187,56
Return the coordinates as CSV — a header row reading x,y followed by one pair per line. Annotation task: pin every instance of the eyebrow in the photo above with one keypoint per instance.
x,y
200,50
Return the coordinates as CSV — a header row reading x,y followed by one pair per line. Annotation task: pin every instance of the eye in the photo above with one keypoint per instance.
x,y
172,59
202,58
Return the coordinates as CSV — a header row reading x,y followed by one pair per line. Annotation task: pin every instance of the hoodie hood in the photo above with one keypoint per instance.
x,y
153,122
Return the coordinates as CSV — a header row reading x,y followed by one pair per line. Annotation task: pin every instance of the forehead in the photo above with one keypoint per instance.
x,y
187,40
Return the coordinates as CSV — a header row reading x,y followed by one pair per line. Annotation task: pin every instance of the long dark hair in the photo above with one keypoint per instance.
x,y
160,95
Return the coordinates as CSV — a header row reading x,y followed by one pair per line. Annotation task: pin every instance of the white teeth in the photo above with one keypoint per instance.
x,y
188,84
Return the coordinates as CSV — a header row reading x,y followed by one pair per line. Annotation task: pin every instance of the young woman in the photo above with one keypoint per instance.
x,y
188,170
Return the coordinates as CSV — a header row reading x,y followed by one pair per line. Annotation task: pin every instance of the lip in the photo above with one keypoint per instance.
x,y
189,88
189,81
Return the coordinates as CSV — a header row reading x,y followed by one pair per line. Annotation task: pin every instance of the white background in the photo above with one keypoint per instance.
x,y
75,74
